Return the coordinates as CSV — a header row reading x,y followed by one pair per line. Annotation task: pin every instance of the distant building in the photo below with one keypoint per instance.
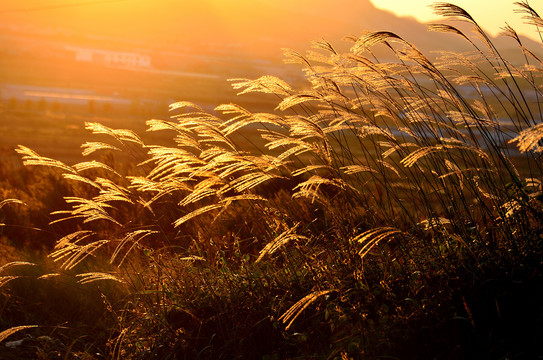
x,y
111,58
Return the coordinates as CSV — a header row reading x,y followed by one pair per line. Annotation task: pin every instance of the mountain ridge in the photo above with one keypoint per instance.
x,y
261,28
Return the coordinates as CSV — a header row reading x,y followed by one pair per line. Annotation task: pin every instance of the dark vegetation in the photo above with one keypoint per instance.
x,y
386,210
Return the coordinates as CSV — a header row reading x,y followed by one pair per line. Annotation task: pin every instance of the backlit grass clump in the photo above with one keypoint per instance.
x,y
389,207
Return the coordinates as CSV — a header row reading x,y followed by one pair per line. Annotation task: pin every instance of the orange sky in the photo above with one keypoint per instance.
x,y
260,25
267,23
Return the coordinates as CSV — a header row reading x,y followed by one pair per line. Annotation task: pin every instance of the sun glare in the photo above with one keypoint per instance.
x,y
502,11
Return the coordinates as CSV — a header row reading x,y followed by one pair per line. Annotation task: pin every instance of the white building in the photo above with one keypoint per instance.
x,y
111,58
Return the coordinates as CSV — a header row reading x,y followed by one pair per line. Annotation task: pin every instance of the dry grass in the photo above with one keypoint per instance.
x,y
372,201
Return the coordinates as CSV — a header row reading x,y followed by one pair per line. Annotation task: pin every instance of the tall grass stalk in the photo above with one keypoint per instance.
x,y
376,172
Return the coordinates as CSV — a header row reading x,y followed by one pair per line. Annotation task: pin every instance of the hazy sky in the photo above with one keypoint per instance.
x,y
238,20
490,14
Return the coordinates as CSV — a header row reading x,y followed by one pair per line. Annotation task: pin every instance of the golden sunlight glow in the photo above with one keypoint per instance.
x,y
199,21
490,14
105,42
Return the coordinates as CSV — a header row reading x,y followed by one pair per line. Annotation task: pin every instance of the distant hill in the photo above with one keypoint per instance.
x,y
253,26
